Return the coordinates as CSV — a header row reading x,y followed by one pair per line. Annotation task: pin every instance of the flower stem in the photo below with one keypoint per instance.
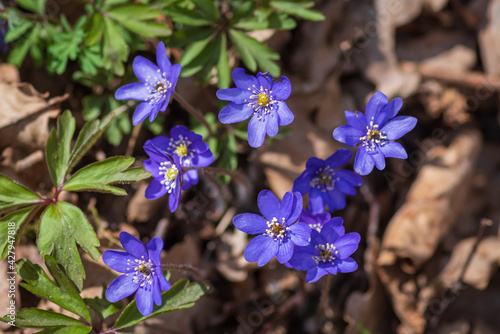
x,y
323,301
199,116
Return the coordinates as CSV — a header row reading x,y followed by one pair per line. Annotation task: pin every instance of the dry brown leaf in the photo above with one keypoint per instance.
x,y
489,40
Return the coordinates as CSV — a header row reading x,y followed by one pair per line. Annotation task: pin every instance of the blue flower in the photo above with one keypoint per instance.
x,y
315,221
376,133
156,86
325,183
167,173
328,253
4,27
278,230
142,268
190,149
258,96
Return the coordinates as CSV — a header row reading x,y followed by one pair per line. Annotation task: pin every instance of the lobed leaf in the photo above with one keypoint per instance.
x,y
99,176
37,6
61,225
57,152
181,295
63,293
189,17
36,318
19,218
94,28
208,8
115,49
103,307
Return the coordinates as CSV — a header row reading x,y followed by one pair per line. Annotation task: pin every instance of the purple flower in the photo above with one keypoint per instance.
x,y
315,221
259,97
167,173
190,149
142,268
375,132
328,253
156,86
278,230
325,183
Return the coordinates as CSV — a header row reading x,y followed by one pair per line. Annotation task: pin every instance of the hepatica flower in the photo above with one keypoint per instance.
x,y
260,98
328,253
278,231
315,221
141,266
156,86
190,149
325,183
375,132
167,173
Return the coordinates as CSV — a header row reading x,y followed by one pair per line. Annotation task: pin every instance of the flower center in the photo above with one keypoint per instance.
x,y
180,147
373,137
276,230
261,101
170,173
324,179
143,270
157,87
327,253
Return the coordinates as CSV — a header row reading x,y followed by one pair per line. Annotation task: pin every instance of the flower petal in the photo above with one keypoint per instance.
x,y
399,126
242,80
347,265
300,234
356,120
143,110
162,281
345,187
269,205
285,115
316,202
377,102
132,245
283,89
378,158
162,59
175,196
174,76
286,207
157,148
285,251
393,150
363,163
155,189
265,80
351,177
302,183
236,95
123,286
117,260
348,135
337,198
154,247
315,274
262,249
331,268
135,91
144,300
250,223
256,131
333,230
297,205
156,291
272,125
302,258
144,69
339,158
233,113
203,159
389,111
347,244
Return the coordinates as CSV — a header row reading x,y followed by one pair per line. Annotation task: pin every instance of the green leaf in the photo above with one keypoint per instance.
x,y
186,16
299,9
94,28
136,11
245,10
181,295
205,60
61,225
194,50
57,152
146,28
15,194
99,176
208,8
223,70
9,225
103,307
18,30
272,21
115,49
243,49
36,318
21,48
63,294
37,6
67,330
134,16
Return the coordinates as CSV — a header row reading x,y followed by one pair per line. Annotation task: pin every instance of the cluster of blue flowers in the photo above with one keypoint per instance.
x,y
308,240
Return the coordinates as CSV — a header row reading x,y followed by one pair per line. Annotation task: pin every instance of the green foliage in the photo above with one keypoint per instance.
x,y
181,295
13,195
